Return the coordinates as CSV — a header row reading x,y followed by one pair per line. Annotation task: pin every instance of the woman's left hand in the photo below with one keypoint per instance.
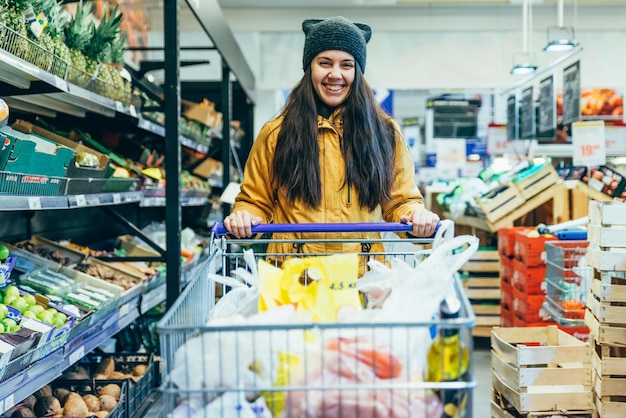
x,y
424,222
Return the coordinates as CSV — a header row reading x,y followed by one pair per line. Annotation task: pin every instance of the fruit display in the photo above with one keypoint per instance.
x,y
28,306
108,274
601,102
606,180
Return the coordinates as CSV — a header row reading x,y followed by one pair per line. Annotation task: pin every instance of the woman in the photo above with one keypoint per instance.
x,y
333,155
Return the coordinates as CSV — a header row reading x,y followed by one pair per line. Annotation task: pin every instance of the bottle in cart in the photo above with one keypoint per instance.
x,y
448,360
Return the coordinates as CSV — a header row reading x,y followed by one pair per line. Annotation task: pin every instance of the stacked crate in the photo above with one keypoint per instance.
x,y
605,313
540,372
506,251
481,280
527,282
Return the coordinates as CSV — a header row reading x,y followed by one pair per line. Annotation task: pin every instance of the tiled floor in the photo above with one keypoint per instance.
x,y
482,374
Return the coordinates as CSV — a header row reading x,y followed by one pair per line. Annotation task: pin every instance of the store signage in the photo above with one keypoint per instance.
x,y
527,114
512,117
571,93
546,119
588,143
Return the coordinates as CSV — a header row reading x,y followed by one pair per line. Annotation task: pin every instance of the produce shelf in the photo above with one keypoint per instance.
x,y
13,203
38,374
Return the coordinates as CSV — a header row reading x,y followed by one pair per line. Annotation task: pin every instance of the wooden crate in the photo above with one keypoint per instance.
x,y
501,204
607,213
606,258
603,333
537,182
501,408
483,261
607,236
541,369
607,312
609,378
482,287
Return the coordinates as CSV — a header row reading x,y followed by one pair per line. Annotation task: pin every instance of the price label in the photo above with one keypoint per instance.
x,y
34,202
81,200
133,111
119,106
9,402
61,84
124,310
588,143
77,354
117,198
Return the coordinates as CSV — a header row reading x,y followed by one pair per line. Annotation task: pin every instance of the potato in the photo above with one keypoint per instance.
x,y
100,377
29,401
101,414
118,376
106,366
47,406
44,391
107,403
75,406
139,370
92,402
61,395
23,412
111,389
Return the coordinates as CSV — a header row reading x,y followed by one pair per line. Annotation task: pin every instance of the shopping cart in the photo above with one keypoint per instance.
x,y
241,369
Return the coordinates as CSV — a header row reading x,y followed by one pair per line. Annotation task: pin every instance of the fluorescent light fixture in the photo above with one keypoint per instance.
x,y
523,64
523,69
561,39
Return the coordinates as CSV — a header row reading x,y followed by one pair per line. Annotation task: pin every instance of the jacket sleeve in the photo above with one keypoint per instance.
x,y
256,195
405,195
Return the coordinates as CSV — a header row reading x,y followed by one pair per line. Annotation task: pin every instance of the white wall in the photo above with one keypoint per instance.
x,y
425,48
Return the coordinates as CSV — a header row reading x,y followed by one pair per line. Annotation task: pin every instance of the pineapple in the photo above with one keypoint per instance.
x,y
115,67
58,20
77,35
99,48
13,15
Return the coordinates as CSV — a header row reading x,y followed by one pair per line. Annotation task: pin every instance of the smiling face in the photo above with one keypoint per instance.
x,y
332,73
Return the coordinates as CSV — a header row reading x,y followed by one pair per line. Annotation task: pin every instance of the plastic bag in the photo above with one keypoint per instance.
x,y
330,292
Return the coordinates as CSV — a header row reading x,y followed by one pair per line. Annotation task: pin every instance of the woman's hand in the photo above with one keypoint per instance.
x,y
424,222
240,223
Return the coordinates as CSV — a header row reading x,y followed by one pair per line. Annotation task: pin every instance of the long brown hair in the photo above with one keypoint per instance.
x,y
368,145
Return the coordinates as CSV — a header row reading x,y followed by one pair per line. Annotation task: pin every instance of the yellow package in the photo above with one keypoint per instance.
x,y
329,291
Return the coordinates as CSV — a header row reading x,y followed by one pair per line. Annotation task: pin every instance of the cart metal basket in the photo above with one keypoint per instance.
x,y
243,373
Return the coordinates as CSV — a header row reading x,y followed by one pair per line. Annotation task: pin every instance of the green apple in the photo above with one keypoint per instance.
x,y
20,304
4,311
9,324
9,298
30,314
45,317
30,299
11,290
2,328
36,309
4,252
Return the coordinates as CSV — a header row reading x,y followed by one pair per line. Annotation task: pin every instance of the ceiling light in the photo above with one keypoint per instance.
x,y
523,63
560,38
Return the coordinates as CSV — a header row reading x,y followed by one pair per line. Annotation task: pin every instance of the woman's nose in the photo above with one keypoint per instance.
x,y
335,72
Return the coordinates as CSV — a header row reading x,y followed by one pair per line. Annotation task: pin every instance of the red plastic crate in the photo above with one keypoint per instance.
x,y
531,250
519,322
506,240
528,307
506,296
528,280
582,333
506,269
506,318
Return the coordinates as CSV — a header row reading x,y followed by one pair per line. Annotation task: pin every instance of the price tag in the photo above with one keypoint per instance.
x,y
34,202
77,354
133,111
9,402
588,143
497,141
61,85
124,310
81,200
117,198
119,106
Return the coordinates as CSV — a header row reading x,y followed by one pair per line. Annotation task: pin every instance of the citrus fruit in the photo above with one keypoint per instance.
x,y
4,253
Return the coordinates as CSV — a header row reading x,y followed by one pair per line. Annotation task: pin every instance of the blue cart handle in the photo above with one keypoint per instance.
x,y
219,228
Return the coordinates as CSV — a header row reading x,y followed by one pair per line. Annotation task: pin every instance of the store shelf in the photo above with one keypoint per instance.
x,y
17,203
188,198
38,374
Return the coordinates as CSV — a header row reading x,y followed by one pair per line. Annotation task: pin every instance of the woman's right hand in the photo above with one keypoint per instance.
x,y
240,223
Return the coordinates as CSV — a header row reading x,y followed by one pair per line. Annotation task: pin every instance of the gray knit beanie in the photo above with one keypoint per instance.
x,y
335,33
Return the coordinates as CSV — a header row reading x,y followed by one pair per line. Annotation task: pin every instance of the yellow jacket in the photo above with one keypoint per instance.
x,y
259,196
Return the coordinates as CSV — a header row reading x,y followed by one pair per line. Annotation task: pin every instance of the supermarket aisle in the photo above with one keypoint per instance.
x,y
482,373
